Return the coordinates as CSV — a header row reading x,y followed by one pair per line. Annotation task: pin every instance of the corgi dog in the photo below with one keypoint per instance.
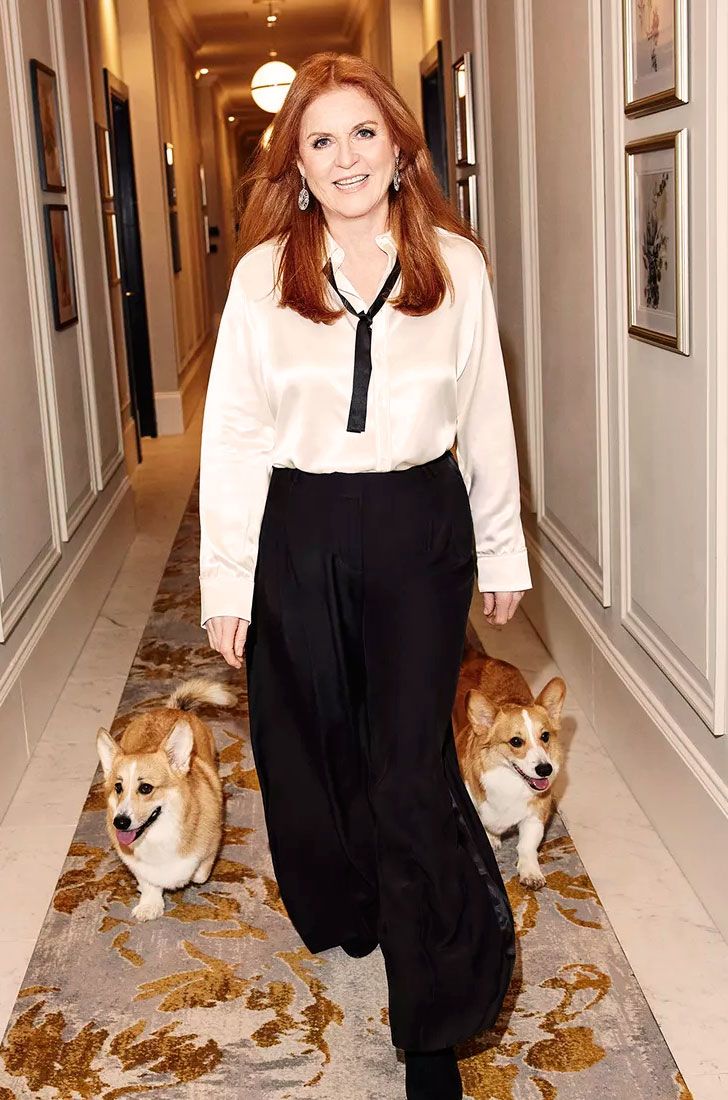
x,y
509,752
164,794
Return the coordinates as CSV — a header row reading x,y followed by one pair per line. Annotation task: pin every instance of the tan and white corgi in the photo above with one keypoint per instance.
x,y
164,794
509,752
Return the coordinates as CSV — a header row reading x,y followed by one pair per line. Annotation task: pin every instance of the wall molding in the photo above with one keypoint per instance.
x,y
76,511
706,775
15,601
38,627
693,683
595,572
525,108
484,136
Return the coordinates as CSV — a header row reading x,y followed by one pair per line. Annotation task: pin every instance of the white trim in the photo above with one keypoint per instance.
x,y
529,246
170,413
484,134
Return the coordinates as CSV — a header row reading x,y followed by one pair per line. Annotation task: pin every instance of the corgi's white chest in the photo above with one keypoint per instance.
x,y
154,858
507,799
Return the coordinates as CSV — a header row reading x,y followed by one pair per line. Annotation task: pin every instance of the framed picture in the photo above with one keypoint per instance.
x,y
103,160
463,103
111,240
468,200
169,167
657,240
47,127
60,258
655,55
432,91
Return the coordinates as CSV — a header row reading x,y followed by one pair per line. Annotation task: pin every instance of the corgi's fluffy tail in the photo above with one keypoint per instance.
x,y
200,690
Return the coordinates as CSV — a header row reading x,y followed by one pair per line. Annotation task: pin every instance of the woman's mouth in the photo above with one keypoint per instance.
x,y
353,183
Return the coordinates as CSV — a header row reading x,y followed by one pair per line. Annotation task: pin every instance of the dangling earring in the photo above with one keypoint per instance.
x,y
303,195
396,177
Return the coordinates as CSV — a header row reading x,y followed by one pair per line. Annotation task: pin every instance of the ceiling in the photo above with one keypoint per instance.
x,y
234,39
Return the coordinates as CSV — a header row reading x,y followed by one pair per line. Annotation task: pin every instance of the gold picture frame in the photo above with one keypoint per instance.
x,y
657,240
655,47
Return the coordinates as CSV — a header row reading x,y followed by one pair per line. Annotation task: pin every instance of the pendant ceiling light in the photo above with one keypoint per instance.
x,y
271,81
270,84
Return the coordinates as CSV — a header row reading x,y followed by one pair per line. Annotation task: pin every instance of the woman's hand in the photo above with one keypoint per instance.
x,y
227,634
499,607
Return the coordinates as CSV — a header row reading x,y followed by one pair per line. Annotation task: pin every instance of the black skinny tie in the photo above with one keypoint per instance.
x,y
363,347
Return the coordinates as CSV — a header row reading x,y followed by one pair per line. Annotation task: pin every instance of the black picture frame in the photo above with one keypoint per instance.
x,y
432,91
48,133
60,262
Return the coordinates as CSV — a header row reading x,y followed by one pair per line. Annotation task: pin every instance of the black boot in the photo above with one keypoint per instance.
x,y
433,1075
357,947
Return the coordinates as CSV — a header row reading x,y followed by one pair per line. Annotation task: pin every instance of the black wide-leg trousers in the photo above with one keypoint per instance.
x,y
362,589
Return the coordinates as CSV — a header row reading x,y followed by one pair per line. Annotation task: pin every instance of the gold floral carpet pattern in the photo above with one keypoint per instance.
x,y
219,999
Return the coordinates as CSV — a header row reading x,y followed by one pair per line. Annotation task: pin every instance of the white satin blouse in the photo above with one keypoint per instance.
x,y
279,394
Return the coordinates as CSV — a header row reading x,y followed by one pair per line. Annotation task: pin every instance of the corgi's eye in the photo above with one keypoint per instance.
x,y
516,742
118,788
545,736
145,788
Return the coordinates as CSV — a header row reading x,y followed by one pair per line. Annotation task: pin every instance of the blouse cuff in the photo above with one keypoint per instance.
x,y
225,596
504,572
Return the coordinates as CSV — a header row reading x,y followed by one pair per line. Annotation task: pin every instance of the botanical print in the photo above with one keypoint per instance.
x,y
655,238
655,55
58,231
655,244
48,127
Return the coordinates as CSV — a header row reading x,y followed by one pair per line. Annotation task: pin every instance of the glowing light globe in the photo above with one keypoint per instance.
x,y
270,84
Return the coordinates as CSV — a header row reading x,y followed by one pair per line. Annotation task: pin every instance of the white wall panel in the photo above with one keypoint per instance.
x,y
568,111
29,535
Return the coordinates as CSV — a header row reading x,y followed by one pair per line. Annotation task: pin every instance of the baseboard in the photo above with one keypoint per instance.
x,y
683,797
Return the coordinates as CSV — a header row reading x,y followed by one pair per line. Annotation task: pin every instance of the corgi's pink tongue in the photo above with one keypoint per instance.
x,y
125,838
539,784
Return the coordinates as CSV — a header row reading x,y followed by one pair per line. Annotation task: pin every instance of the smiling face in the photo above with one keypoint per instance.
x,y
343,137
525,739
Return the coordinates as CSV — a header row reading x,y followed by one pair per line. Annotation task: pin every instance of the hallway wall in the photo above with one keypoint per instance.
x,y
622,444
66,513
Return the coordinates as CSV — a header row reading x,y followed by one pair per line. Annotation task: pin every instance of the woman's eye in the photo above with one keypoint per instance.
x,y
316,142
118,788
366,130
145,788
516,742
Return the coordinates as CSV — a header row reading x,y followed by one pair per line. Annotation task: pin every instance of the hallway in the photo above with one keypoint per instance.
x,y
677,955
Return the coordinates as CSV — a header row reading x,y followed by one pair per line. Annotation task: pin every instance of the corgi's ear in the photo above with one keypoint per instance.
x,y
178,746
107,749
551,698
480,711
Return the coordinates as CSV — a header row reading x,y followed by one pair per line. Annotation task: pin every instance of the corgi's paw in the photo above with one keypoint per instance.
x,y
149,907
531,877
495,841
203,872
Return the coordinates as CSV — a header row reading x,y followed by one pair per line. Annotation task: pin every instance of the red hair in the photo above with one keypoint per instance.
x,y
268,197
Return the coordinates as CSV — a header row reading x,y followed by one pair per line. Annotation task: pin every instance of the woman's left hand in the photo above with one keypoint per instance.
x,y
499,607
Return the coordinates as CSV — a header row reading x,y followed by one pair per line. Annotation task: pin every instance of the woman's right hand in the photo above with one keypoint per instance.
x,y
227,634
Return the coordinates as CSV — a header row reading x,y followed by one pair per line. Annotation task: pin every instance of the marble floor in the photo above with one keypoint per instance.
x,y
678,956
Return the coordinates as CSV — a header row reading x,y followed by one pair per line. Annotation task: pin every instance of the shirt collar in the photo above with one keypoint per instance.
x,y
335,252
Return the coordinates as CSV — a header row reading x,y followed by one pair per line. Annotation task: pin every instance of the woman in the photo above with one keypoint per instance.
x,y
339,542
